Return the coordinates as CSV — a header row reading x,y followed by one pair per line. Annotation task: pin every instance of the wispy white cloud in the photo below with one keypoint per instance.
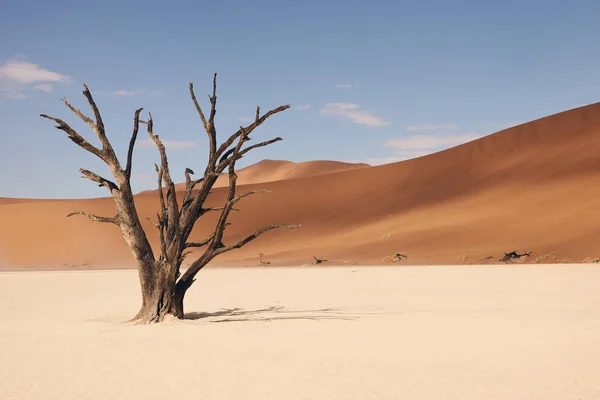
x,y
245,119
137,92
17,75
429,142
303,107
126,92
408,147
169,144
352,112
122,92
430,127
44,87
347,85
24,72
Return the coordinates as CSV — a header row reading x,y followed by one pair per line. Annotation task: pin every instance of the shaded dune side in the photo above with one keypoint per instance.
x,y
531,187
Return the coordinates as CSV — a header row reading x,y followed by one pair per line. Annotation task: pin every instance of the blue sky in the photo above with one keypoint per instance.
x,y
375,82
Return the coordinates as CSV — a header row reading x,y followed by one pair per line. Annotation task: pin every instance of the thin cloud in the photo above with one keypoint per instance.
x,y
16,76
409,147
44,87
169,144
347,85
352,112
245,119
128,93
430,127
302,108
429,142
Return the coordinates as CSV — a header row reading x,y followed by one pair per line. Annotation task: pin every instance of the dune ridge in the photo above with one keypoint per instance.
x,y
278,170
530,187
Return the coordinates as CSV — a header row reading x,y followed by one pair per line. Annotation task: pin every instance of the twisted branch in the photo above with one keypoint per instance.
x,y
95,218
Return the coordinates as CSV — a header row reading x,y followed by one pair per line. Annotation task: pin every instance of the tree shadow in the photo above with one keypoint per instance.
x,y
272,313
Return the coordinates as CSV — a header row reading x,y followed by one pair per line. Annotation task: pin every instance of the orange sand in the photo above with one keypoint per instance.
x,y
531,187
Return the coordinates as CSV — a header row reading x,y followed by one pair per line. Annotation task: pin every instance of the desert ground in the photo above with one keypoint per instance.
x,y
435,332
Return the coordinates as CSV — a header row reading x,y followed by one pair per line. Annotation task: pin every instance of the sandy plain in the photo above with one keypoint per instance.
x,y
429,332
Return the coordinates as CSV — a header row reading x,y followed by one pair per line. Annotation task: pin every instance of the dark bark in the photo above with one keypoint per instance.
x,y
161,298
513,255
163,289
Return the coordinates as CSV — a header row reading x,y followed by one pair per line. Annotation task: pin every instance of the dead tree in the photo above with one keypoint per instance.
x,y
162,284
319,260
261,261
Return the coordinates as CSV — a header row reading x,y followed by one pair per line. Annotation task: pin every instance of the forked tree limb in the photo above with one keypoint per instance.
x,y
249,128
162,215
78,112
96,218
220,227
209,126
99,125
76,137
194,204
172,226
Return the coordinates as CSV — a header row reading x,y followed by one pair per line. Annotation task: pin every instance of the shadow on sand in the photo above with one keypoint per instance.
x,y
273,313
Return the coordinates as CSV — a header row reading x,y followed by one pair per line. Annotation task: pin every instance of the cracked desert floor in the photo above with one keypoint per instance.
x,y
430,332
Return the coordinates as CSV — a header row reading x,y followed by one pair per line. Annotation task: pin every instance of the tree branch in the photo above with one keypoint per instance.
x,y
76,137
262,144
96,218
250,238
156,224
161,197
78,112
248,129
136,127
209,125
227,157
251,192
189,186
172,207
98,127
99,180
200,244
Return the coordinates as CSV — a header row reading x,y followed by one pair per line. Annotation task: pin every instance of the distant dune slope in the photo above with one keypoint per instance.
x,y
278,170
531,187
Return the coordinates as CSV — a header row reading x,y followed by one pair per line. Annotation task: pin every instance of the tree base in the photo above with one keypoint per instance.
x,y
158,308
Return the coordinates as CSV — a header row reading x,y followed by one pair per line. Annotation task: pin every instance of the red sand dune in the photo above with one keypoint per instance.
x,y
532,187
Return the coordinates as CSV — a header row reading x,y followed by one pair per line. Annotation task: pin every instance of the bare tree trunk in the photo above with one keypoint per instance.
x,y
161,298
